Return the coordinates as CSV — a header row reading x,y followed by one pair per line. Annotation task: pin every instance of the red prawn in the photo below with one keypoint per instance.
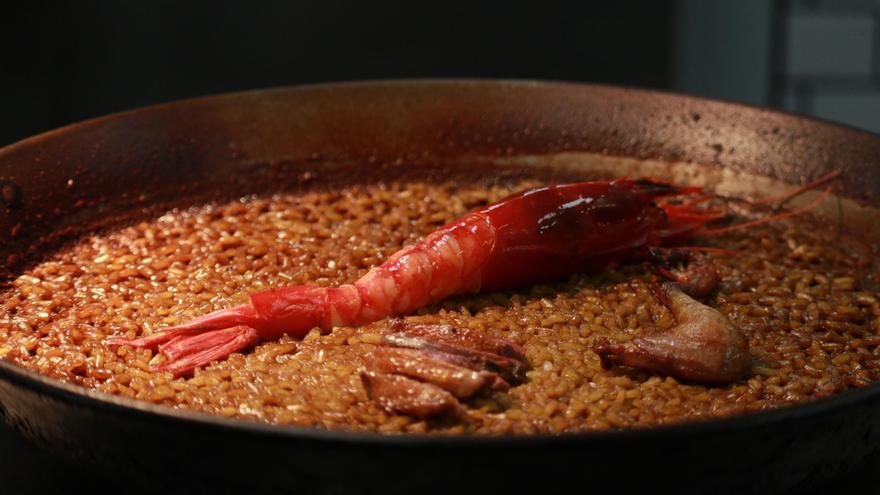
x,y
533,236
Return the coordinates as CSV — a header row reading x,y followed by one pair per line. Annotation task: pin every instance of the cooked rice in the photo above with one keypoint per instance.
x,y
807,301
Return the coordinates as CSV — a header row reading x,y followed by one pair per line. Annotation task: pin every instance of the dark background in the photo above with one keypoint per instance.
x,y
62,62
65,62
68,62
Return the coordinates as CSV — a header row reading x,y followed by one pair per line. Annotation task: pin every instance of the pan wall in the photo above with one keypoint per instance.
x,y
57,184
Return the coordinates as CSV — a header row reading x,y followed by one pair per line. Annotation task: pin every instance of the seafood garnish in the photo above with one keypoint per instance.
x,y
401,394
702,347
460,382
537,235
461,373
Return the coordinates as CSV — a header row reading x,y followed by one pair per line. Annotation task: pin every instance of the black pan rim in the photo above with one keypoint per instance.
x,y
68,392
104,402
424,82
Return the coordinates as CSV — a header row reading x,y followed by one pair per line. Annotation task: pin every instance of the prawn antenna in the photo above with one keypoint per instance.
x,y
772,218
783,198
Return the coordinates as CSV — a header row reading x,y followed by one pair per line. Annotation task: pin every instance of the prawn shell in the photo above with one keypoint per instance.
x,y
291,310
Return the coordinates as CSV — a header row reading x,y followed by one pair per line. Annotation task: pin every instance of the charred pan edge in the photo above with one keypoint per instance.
x,y
76,396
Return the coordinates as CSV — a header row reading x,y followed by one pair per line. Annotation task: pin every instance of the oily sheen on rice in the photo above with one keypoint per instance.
x,y
806,299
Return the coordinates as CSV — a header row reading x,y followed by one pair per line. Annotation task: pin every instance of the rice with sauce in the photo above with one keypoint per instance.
x,y
806,299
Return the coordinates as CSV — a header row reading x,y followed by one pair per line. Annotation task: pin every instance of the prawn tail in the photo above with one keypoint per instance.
x,y
224,318
185,353
271,314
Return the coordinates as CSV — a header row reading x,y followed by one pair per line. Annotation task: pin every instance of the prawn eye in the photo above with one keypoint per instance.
x,y
660,212
655,188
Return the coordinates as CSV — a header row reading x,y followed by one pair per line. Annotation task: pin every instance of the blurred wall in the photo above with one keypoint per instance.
x,y
723,49
829,60
814,57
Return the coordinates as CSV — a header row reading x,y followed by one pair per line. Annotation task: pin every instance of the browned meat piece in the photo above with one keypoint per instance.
x,y
459,337
703,347
421,369
397,393
691,270
459,381
512,370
